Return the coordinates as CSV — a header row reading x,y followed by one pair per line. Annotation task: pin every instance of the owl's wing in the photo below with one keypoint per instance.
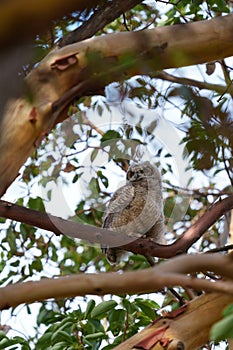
x,y
120,200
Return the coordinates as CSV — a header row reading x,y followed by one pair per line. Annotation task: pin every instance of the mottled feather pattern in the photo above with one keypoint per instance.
x,y
136,208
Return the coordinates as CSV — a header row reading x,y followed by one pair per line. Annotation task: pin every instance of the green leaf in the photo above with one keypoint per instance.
x,y
94,154
44,341
117,315
147,310
45,316
2,335
49,195
61,335
15,263
110,135
103,308
59,346
94,187
11,239
75,178
116,320
100,110
90,307
36,204
95,336
36,265
130,307
222,329
103,178
5,342
228,310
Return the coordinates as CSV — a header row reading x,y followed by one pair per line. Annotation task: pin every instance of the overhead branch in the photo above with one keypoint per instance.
x,y
92,234
100,18
16,17
86,67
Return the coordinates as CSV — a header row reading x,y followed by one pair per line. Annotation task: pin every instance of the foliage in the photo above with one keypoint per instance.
x,y
90,158
223,329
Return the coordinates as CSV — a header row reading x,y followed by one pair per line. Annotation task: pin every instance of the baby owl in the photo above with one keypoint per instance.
x,y
136,208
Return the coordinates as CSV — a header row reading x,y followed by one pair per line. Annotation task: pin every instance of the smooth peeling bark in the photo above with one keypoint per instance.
x,y
169,273
86,67
16,17
188,331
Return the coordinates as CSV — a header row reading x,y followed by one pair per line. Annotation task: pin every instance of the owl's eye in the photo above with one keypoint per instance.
x,y
148,171
129,175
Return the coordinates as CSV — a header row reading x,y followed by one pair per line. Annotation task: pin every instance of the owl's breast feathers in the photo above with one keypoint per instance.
x,y
134,208
115,214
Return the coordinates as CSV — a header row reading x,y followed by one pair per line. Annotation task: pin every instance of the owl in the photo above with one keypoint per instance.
x,y
136,208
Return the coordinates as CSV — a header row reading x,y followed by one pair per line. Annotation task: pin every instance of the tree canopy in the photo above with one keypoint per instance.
x,y
97,85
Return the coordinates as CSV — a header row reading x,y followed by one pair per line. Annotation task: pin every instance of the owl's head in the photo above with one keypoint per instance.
x,y
143,171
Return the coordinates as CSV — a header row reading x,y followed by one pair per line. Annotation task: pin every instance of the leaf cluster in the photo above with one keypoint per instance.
x,y
93,327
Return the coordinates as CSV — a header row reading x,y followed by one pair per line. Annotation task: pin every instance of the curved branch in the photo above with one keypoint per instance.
x,y
221,89
169,273
17,16
94,63
188,238
94,234
98,20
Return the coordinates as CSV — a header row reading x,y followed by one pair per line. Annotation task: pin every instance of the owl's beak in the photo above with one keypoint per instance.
x,y
136,177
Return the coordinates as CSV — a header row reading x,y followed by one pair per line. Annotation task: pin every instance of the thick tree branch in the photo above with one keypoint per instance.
x,y
16,17
38,17
188,330
94,234
170,273
85,68
60,226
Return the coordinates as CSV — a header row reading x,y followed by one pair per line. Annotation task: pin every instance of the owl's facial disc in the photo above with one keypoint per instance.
x,y
138,174
134,175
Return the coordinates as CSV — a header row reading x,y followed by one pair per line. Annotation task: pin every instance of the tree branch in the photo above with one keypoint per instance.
x,y
17,16
221,89
93,234
86,67
188,238
168,273
38,16
201,313
101,17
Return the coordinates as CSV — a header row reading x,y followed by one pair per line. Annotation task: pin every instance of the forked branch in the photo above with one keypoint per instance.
x,y
169,273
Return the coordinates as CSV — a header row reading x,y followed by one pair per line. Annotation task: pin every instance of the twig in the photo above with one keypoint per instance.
x,y
100,18
92,125
199,84
227,168
220,249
